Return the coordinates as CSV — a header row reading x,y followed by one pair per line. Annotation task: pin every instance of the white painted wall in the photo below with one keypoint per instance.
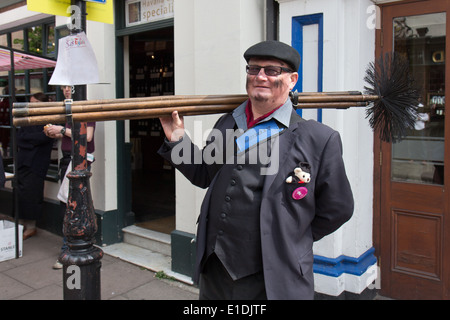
x,y
19,16
104,169
349,46
210,39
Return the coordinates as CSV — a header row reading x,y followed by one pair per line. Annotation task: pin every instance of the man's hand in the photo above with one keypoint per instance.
x,y
173,126
53,131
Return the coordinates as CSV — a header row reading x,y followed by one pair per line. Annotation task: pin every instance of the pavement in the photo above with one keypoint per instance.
x,y
31,277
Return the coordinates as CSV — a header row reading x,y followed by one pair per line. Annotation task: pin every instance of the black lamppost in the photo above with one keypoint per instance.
x,y
81,262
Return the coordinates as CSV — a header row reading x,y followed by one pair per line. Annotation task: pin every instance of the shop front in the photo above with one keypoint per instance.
x,y
31,38
411,225
400,226
148,52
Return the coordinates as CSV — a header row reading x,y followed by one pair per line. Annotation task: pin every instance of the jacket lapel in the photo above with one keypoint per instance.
x,y
285,142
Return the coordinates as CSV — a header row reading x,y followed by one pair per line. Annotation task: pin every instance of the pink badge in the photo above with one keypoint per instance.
x,y
299,193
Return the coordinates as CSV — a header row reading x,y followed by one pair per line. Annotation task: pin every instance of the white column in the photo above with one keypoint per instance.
x,y
210,39
348,47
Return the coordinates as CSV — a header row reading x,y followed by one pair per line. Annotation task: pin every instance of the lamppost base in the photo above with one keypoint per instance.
x,y
81,273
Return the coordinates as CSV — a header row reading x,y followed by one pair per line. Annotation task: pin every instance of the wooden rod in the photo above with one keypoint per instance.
x,y
332,105
164,98
241,97
122,114
92,106
158,112
112,106
330,93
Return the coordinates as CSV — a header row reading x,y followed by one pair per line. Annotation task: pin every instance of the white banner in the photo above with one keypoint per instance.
x,y
76,63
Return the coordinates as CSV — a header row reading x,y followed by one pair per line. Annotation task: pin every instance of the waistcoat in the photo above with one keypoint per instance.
x,y
233,225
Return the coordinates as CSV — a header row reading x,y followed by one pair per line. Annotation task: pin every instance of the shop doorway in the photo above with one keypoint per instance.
x,y
413,202
153,180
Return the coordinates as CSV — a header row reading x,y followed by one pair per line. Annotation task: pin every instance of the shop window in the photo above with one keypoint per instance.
x,y
51,42
34,38
3,40
38,39
17,39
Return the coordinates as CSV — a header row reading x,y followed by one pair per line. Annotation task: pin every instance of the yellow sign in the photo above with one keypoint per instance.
x,y
100,12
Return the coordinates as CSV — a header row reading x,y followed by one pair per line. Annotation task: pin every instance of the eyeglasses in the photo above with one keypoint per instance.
x,y
271,71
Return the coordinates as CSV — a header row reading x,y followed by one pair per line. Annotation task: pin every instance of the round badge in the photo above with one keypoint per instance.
x,y
299,193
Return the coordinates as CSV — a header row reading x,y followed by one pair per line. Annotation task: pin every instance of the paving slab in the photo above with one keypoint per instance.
x,y
32,277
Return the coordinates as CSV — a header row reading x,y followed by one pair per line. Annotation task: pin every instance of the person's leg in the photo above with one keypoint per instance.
x,y
216,284
31,197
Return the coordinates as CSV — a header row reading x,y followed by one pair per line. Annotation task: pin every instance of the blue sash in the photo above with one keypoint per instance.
x,y
257,134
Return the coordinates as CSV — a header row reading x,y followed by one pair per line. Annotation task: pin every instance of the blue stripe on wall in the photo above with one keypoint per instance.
x,y
343,264
297,43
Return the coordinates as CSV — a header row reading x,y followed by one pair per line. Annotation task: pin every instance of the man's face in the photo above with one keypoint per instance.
x,y
272,89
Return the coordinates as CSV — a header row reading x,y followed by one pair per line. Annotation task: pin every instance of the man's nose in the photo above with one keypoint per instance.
x,y
261,73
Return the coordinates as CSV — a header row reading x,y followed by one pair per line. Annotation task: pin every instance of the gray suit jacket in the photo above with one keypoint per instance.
x,y
288,226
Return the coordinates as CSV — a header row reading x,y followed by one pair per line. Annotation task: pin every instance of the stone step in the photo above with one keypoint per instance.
x,y
151,260
148,249
147,239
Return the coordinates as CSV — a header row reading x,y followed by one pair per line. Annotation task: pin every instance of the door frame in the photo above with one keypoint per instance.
x,y
382,243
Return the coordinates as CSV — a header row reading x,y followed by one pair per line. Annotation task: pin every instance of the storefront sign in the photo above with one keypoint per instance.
x,y
101,11
145,11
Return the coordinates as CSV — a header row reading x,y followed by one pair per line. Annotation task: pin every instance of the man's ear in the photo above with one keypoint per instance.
x,y
294,79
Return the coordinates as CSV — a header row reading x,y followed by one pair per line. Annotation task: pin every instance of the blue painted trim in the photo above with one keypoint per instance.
x,y
343,264
297,43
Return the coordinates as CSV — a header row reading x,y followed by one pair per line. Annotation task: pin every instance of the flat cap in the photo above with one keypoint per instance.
x,y
274,49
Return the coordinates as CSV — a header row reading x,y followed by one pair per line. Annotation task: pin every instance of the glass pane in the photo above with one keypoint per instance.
x,y
3,40
35,39
36,81
419,158
50,41
17,39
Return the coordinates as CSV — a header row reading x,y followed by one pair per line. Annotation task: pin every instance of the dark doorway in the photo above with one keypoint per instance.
x,y
153,179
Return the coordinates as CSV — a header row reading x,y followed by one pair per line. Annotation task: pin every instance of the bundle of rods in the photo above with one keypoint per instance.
x,y
26,114
391,98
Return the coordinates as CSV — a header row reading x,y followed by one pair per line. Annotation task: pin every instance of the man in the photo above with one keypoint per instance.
x,y
256,231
